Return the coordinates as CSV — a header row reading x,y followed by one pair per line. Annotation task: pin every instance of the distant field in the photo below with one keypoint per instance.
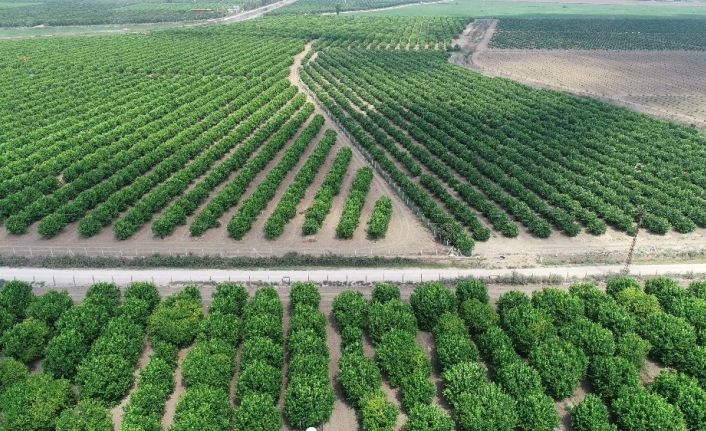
x,y
322,6
501,8
91,12
596,33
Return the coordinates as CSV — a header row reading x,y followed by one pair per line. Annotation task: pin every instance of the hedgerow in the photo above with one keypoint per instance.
x,y
286,209
640,410
318,210
429,301
591,415
560,365
393,314
354,203
49,307
86,415
380,218
471,289
25,341
35,403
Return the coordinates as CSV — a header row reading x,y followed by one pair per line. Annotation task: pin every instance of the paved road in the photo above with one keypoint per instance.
x,y
83,277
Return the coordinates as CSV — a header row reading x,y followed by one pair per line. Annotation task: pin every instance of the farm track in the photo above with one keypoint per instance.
x,y
170,280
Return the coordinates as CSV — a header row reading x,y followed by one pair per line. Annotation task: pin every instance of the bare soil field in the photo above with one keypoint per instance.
x,y
667,84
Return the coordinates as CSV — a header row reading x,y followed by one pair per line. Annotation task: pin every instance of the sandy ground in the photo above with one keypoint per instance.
x,y
170,405
117,412
666,84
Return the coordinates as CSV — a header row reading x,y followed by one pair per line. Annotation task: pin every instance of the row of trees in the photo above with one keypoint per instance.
x,y
233,191
330,187
253,205
178,211
354,203
286,208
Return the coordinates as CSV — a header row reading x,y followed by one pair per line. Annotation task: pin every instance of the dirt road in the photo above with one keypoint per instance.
x,y
168,278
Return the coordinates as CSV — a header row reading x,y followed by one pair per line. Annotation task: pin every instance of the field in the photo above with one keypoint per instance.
x,y
665,84
544,8
92,12
326,6
385,356
243,171
596,33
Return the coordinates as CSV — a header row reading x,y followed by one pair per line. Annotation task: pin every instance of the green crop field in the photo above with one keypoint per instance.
x,y
508,8
223,361
330,6
90,12
597,33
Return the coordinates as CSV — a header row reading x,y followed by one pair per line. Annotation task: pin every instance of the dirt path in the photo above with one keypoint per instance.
x,y
117,412
474,39
170,406
343,415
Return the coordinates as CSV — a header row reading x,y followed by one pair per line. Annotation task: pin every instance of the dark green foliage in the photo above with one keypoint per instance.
x,y
202,408
479,316
49,307
225,327
307,342
633,348
331,186
306,317
88,415
158,374
450,324
308,402
527,327
685,393
25,341
386,316
380,218
7,320
536,412
107,291
209,363
383,292
617,284
698,289
518,379
135,309
428,418
640,410
351,335
358,375
350,309
429,301
144,291
495,345
671,337
454,348
265,301
15,297
259,377
11,372
105,378
398,355
462,378
377,412
35,403
560,365
88,319
588,336
121,337
609,375
176,319
263,325
559,304
471,288
64,352
486,408
354,203
257,412
229,298
416,388
262,349
304,293
510,300
313,366
165,351
591,415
